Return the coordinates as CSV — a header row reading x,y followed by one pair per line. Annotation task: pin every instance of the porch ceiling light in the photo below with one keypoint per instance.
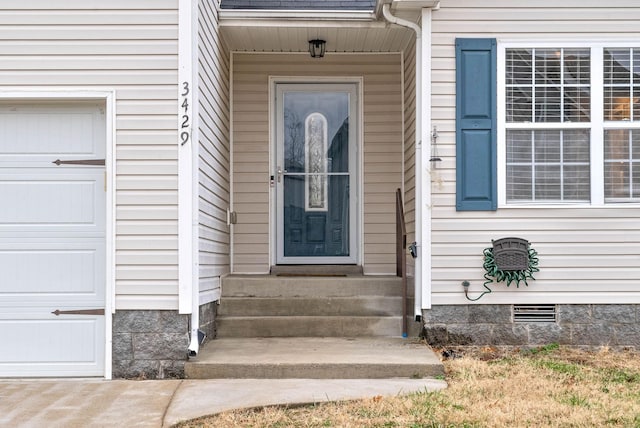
x,y
317,48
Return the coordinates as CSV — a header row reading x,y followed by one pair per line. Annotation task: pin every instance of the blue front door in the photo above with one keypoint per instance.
x,y
316,163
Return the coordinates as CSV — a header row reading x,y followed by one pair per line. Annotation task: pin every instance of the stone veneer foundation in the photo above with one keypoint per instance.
x,y
153,344
575,325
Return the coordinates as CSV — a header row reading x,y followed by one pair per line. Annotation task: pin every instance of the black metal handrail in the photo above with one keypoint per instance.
x,y
401,256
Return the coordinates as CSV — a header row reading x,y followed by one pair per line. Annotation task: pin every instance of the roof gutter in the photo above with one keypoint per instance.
x,y
304,15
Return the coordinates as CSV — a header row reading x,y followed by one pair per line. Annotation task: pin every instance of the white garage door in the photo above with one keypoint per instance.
x,y
52,239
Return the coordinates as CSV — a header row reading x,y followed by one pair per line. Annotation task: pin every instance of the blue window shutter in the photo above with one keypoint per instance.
x,y
476,125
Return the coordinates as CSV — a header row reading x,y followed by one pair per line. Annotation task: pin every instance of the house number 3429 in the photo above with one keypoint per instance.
x,y
185,119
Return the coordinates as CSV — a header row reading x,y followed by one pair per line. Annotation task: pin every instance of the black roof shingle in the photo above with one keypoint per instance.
x,y
366,5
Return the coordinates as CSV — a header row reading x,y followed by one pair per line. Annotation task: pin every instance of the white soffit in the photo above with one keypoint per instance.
x,y
290,31
344,31
296,38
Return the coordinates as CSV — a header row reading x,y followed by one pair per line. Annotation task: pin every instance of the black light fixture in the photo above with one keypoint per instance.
x,y
316,48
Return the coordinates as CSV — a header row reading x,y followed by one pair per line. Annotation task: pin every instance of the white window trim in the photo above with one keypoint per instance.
x,y
597,123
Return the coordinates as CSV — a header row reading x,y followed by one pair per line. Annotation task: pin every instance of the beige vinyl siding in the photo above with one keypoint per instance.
x,y
213,151
382,149
130,47
587,255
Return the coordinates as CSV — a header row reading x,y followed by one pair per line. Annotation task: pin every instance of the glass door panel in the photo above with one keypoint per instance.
x,y
315,218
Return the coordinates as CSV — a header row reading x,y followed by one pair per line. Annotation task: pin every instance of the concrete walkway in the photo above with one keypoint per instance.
x,y
162,403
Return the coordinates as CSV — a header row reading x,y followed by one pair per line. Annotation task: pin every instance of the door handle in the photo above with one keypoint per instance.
x,y
279,174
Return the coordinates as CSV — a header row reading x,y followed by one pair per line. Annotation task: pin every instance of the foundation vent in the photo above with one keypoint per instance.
x,y
534,313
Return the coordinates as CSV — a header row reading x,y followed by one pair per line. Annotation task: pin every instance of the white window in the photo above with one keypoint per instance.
x,y
569,124
621,108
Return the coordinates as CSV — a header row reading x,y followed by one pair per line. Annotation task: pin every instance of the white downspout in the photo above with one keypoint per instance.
x,y
418,154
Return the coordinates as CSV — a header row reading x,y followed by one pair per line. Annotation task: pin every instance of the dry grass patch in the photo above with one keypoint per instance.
x,y
548,386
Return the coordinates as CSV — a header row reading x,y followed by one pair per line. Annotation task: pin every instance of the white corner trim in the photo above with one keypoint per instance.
x,y
195,165
185,143
425,137
231,167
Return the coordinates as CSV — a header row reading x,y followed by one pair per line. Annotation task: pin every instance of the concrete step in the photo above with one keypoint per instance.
x,y
314,358
315,286
318,306
317,270
312,306
313,326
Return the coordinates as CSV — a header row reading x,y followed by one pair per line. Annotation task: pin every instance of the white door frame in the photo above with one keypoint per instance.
x,y
354,86
109,98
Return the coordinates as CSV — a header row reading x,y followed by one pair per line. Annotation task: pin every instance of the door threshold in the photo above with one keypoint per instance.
x,y
316,270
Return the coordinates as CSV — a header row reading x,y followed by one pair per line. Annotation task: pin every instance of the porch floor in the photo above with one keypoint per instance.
x,y
314,358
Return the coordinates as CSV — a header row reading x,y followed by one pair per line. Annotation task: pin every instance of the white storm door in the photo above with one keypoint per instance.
x,y
52,239
316,185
